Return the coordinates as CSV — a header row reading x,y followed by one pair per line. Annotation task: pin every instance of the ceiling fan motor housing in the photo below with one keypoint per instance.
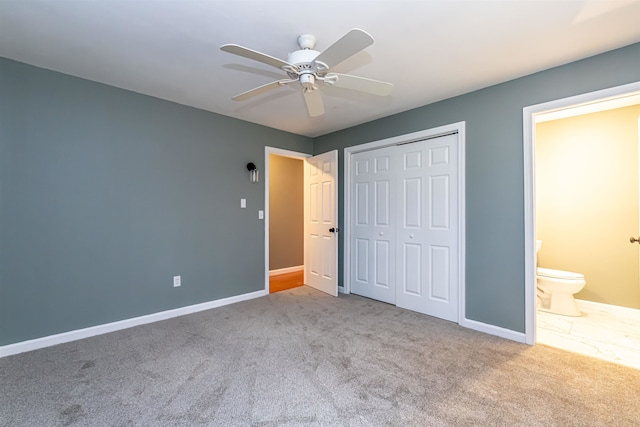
x,y
302,57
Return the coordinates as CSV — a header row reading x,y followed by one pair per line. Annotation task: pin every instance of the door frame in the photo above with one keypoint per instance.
x,y
529,119
284,153
458,128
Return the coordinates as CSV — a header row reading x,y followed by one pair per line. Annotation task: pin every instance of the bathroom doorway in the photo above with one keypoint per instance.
x,y
577,211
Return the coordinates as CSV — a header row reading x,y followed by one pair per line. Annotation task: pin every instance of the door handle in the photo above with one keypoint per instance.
x,y
634,239
334,230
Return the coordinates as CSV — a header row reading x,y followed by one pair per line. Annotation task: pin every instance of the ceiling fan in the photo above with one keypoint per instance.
x,y
309,67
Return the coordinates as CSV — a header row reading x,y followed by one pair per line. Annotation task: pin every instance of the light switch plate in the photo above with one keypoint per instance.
x,y
243,203
260,214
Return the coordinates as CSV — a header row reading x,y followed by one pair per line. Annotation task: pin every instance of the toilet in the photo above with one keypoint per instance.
x,y
556,288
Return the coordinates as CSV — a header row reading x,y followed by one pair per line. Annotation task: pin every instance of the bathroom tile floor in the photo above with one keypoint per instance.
x,y
612,336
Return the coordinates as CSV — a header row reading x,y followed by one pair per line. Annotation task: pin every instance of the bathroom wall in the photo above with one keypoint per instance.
x,y
286,213
587,201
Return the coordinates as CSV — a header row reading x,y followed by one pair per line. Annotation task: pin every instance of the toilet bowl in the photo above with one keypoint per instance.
x,y
556,288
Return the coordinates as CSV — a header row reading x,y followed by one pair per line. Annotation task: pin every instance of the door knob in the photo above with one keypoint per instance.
x,y
334,230
634,239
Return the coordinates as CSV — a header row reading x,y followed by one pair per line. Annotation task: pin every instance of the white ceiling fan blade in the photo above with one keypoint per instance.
x,y
362,84
350,44
255,55
313,99
260,89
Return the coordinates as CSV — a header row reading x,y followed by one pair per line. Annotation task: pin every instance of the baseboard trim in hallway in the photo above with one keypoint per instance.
x,y
286,270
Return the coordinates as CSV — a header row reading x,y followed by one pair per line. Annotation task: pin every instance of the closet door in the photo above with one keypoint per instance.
x,y
426,250
373,219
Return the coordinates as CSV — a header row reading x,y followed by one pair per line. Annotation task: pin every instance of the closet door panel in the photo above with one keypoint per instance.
x,y
373,225
428,208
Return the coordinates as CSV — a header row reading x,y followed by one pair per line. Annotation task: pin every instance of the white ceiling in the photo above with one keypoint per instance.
x,y
429,50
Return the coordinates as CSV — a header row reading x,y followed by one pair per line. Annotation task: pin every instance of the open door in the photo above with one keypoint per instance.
x,y
321,222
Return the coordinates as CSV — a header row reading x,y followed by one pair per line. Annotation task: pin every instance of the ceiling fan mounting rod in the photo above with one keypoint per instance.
x,y
307,41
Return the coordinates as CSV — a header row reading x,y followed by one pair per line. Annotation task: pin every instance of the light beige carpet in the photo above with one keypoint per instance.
x,y
302,358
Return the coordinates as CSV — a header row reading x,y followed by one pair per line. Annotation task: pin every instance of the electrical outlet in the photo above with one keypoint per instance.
x,y
176,281
243,203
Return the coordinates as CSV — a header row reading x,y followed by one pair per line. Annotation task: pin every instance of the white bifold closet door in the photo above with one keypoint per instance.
x,y
373,225
404,226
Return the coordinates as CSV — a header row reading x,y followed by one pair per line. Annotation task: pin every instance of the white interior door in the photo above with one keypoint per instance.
x,y
373,211
321,225
427,231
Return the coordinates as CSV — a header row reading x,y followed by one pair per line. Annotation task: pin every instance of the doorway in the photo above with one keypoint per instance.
x,y
284,219
320,207
564,196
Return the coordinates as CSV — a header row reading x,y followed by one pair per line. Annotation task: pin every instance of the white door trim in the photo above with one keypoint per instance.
x,y
403,139
528,115
284,153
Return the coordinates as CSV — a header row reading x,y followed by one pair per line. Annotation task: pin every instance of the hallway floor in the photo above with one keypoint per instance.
x,y
282,282
612,336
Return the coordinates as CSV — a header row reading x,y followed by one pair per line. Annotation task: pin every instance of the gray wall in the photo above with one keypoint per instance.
x,y
286,212
494,170
106,194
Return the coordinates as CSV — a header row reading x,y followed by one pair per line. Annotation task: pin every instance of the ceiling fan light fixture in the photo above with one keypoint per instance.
x,y
308,81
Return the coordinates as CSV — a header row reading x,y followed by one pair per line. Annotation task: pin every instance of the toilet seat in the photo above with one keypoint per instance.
x,y
558,274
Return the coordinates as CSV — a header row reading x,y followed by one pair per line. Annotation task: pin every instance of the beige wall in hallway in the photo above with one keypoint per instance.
x,y
286,212
587,201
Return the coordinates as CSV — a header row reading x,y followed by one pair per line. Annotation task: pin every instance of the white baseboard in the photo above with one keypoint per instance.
x,y
615,310
286,270
493,330
341,289
34,344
